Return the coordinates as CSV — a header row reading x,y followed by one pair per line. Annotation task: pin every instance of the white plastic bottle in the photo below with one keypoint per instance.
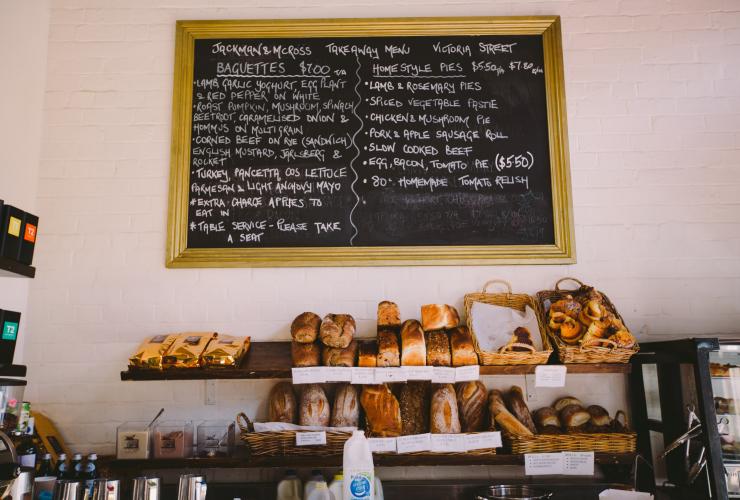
x,y
316,478
335,488
359,471
320,491
290,488
378,489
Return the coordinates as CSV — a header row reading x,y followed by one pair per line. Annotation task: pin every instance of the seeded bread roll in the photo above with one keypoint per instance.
x,y
314,409
305,327
281,404
438,349
388,314
368,354
333,356
382,411
337,330
413,348
471,405
305,354
519,408
414,402
461,344
346,409
439,317
389,353
444,418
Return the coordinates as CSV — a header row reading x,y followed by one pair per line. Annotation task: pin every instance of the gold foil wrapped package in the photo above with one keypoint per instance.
x,y
187,349
225,351
150,352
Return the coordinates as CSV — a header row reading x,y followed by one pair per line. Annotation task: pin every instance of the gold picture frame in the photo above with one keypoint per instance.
x,y
179,255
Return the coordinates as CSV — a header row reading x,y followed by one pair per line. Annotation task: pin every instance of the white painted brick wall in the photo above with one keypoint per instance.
x,y
654,113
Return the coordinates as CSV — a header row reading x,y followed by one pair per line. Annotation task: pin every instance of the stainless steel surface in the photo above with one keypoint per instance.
x,y
68,490
514,492
146,488
105,489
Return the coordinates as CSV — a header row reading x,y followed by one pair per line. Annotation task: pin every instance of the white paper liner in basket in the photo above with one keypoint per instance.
x,y
494,325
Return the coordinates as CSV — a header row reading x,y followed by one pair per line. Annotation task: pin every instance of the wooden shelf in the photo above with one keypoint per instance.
x,y
13,371
14,269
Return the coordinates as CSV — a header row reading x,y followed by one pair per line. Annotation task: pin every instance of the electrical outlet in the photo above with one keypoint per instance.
x,y
530,388
210,392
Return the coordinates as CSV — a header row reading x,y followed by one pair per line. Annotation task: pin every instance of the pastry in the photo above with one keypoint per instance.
x,y
444,418
594,336
414,402
281,404
413,348
439,317
305,354
389,353
573,417
503,417
519,408
519,341
332,356
556,320
592,311
314,409
471,405
346,409
305,327
368,357
382,411
571,331
567,305
388,314
438,349
337,330
461,345
547,420
623,339
600,419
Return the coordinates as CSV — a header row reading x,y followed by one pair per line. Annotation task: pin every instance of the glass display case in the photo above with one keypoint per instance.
x,y
724,370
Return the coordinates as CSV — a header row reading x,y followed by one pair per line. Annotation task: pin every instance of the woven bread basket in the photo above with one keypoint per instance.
x,y
282,443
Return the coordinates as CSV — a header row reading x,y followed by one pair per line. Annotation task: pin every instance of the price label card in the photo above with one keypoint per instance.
x,y
310,438
413,443
465,373
382,445
309,375
483,440
543,464
443,375
418,372
578,463
363,375
550,375
338,373
446,443
383,375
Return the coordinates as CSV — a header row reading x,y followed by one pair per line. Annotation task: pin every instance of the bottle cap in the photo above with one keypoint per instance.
x,y
62,456
92,456
47,456
77,456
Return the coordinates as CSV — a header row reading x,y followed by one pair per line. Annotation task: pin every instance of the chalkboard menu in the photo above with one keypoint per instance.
x,y
369,142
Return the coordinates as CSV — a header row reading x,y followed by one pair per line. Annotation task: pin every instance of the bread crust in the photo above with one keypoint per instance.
x,y
314,408
444,417
305,327
382,411
281,404
413,346
337,330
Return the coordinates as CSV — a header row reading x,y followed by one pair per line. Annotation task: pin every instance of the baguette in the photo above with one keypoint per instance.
x,y
519,408
503,417
413,348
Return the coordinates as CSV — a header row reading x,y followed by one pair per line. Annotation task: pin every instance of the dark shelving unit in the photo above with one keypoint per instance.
x,y
13,269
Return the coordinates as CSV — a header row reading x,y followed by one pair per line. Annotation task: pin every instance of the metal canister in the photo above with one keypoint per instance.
x,y
68,490
105,489
146,488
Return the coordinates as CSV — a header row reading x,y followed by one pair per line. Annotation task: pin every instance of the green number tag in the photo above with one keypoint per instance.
x,y
10,331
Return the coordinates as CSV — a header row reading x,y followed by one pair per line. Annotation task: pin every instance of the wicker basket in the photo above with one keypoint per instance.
x,y
606,442
282,443
516,301
574,353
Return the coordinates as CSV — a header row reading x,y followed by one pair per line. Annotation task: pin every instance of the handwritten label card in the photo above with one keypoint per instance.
x,y
443,375
578,463
310,438
413,443
418,372
550,375
363,375
543,464
310,375
383,375
465,373
483,440
382,445
448,443
337,373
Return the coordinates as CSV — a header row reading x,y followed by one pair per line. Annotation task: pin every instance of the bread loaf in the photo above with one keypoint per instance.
x,y
566,401
346,409
574,417
305,354
332,356
438,349
599,417
382,411
444,418
461,344
413,347
414,402
546,419
503,417
471,405
305,327
439,317
368,354
519,408
389,353
314,408
281,404
388,314
337,330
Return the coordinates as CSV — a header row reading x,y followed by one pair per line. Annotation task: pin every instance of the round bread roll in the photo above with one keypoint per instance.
x,y
563,402
281,404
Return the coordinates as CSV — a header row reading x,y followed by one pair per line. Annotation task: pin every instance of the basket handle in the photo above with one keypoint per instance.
x,y
626,423
242,420
507,347
557,285
499,281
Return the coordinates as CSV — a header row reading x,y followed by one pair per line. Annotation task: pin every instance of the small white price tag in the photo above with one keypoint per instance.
x,y
338,373
465,373
578,463
446,443
550,375
443,375
383,375
418,372
413,443
483,440
382,445
363,375
309,375
543,464
310,438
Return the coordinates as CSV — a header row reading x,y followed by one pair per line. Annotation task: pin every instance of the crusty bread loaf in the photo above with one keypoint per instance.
x,y
281,404
414,402
519,408
382,411
471,405
368,357
305,327
337,330
461,344
439,317
566,401
413,346
346,409
388,314
389,353
546,419
314,408
438,349
574,416
444,418
305,354
332,356
504,419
